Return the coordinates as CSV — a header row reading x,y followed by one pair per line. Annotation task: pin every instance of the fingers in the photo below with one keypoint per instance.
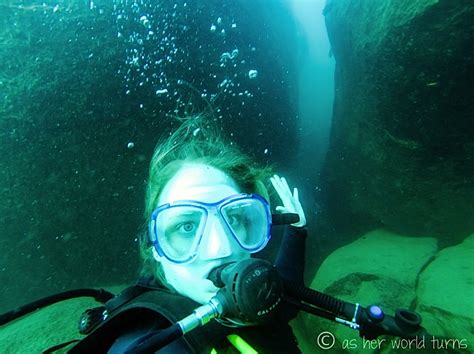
x,y
291,202
274,182
285,185
277,184
280,184
295,194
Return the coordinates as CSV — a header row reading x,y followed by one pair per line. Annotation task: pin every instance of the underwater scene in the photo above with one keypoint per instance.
x,y
237,176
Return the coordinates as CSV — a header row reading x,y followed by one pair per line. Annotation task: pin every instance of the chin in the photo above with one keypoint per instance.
x,y
201,291
203,297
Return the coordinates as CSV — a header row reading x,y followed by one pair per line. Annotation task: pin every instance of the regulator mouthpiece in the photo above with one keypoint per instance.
x,y
251,290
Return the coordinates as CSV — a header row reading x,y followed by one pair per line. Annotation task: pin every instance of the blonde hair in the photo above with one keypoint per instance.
x,y
196,140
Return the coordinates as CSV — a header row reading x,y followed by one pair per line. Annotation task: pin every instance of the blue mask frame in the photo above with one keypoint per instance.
x,y
206,208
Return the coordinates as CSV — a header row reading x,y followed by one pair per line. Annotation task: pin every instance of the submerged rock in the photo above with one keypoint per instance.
x,y
402,144
446,292
394,272
379,268
47,327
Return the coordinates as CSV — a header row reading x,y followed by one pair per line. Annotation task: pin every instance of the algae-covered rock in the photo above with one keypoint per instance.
x,y
47,327
446,292
379,268
81,112
379,253
402,141
44,328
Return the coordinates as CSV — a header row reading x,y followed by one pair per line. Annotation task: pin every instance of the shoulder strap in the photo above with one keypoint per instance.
x,y
125,296
59,346
111,305
139,306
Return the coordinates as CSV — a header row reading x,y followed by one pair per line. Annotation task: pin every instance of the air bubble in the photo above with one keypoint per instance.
x,y
253,74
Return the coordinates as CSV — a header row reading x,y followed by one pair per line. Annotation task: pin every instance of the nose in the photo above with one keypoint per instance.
x,y
216,241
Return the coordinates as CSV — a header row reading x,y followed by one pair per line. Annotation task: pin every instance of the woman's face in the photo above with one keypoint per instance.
x,y
201,183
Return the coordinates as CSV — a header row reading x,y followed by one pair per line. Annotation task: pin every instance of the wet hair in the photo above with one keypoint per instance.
x,y
197,140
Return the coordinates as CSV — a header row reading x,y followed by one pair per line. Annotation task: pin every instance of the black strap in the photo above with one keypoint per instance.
x,y
100,295
59,346
125,296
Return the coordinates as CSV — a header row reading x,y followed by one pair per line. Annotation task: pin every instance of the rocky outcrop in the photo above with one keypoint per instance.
x,y
446,291
402,144
82,105
49,326
379,268
394,272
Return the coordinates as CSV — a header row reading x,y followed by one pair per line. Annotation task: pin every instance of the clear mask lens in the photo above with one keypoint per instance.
x,y
178,229
247,221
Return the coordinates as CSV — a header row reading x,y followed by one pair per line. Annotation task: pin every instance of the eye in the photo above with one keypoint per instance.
x,y
235,220
186,227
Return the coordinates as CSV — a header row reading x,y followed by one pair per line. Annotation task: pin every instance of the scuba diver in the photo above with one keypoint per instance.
x,y
207,211
207,205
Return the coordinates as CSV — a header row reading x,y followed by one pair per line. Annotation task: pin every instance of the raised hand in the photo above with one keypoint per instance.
x,y
291,202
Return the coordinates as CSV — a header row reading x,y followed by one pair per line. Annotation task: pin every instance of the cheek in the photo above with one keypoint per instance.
x,y
180,273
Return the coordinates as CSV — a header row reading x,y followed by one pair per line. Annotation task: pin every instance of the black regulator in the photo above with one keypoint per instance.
x,y
251,290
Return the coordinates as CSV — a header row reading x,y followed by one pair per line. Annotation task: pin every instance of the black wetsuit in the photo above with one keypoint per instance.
x,y
156,308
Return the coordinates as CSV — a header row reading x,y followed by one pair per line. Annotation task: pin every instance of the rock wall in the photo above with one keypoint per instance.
x,y
80,116
402,143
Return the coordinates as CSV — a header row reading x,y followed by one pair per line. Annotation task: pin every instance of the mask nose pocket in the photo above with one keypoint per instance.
x,y
216,242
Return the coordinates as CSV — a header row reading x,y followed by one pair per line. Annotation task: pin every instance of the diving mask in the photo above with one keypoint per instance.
x,y
177,229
